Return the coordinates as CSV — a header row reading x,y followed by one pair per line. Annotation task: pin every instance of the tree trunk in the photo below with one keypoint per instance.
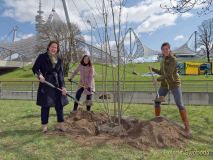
x,y
208,57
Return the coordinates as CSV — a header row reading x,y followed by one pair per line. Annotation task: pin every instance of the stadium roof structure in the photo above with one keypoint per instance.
x,y
184,50
25,49
150,52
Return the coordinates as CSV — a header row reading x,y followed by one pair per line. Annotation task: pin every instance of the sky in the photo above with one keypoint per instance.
x,y
151,23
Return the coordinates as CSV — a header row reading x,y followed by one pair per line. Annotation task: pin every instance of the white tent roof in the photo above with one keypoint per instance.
x,y
184,50
149,52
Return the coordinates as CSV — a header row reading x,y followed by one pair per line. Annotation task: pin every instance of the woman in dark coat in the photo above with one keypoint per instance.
x,y
48,67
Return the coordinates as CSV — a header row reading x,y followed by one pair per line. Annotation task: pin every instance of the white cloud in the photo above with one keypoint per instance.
x,y
9,13
25,11
23,36
155,22
87,38
3,38
179,37
18,37
143,10
186,15
200,5
20,10
148,14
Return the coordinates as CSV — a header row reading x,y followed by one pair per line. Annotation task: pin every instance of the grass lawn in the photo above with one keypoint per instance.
x,y
25,74
21,139
133,82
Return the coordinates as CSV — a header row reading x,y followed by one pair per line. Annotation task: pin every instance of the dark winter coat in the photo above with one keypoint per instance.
x,y
47,96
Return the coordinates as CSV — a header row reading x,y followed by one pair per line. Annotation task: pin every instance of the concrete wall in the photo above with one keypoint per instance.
x,y
13,64
189,98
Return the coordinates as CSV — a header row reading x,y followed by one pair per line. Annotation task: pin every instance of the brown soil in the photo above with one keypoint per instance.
x,y
89,128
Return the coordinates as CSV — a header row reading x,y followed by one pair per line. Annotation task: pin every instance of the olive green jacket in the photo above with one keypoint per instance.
x,y
169,73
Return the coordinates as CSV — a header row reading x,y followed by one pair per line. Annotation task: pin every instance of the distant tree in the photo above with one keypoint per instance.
x,y
205,41
71,49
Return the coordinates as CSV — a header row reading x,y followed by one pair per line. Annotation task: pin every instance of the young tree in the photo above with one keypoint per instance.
x,y
111,12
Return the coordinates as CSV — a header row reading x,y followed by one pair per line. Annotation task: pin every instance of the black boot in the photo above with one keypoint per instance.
x,y
75,108
88,108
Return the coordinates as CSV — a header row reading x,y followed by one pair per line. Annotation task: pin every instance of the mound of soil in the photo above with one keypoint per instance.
x,y
88,128
158,132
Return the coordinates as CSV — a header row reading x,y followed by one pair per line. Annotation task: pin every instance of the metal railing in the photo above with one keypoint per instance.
x,y
194,92
127,86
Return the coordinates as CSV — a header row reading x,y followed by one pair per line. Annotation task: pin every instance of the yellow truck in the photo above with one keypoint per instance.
x,y
195,68
192,68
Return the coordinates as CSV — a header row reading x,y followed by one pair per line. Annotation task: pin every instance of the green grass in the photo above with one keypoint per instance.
x,y
25,74
21,139
199,83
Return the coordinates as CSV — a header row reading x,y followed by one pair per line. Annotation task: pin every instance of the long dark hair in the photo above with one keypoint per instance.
x,y
50,43
82,61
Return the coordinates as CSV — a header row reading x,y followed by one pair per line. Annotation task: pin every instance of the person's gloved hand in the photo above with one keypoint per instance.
x,y
150,67
70,79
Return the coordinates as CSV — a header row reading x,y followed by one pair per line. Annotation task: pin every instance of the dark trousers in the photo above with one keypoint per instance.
x,y
45,114
46,110
78,96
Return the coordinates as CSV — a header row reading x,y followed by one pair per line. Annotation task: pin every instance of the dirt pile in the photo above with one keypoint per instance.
x,y
158,132
85,123
88,128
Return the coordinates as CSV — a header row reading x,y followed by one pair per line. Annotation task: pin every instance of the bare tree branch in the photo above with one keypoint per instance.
x,y
182,6
71,50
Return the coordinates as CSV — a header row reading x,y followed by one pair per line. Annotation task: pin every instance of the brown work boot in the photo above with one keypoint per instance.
x,y
185,120
157,111
60,126
44,128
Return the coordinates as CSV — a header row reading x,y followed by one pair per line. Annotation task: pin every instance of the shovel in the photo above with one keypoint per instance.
x,y
158,98
73,98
